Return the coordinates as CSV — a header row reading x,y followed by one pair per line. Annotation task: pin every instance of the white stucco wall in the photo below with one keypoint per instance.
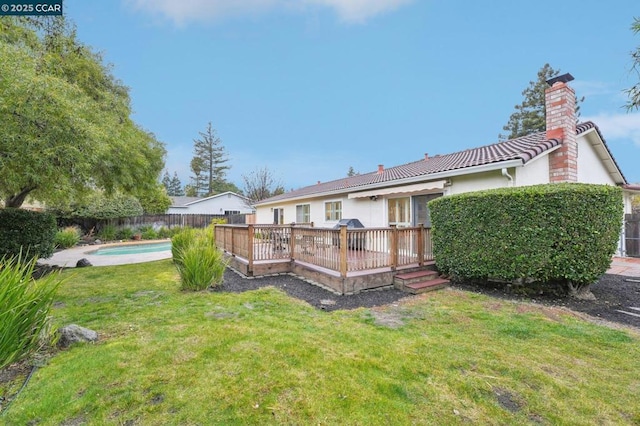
x,y
214,205
477,182
535,172
370,213
590,167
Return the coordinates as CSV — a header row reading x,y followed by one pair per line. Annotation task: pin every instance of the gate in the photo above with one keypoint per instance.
x,y
632,234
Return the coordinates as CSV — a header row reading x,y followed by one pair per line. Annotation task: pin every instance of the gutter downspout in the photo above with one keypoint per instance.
x,y
506,174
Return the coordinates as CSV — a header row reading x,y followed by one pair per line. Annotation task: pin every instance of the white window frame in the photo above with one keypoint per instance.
x,y
333,211
303,213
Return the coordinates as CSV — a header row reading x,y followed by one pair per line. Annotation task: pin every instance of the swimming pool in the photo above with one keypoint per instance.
x,y
133,249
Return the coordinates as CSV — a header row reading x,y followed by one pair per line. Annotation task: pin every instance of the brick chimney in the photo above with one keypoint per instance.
x,y
380,169
560,105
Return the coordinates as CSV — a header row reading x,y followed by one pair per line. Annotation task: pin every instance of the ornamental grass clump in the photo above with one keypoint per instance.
x,y
67,237
199,262
24,309
180,241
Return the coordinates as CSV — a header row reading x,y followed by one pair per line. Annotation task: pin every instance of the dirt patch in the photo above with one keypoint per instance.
x,y
507,400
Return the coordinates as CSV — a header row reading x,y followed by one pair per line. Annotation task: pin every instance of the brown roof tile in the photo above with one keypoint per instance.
x,y
524,148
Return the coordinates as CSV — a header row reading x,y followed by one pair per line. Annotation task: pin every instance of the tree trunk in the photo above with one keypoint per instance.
x,y
16,200
580,291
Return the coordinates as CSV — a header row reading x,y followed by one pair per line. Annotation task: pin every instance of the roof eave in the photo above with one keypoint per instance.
x,y
399,182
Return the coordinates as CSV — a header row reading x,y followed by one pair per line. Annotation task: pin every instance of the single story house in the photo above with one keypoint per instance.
x,y
226,203
566,152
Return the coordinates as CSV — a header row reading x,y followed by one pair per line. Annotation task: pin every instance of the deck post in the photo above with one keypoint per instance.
x,y
394,247
250,234
343,251
421,234
232,241
292,242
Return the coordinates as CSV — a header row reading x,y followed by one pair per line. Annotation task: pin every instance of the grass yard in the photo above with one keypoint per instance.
x,y
260,357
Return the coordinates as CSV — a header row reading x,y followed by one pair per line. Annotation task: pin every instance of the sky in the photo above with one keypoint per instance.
x,y
310,88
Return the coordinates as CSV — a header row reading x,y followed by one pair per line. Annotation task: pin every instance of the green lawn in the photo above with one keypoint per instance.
x,y
261,357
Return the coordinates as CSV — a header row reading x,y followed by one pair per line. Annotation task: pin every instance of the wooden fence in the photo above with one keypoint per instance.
x,y
167,220
341,250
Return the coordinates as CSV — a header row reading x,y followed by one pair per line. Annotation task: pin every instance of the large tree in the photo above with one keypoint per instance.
x,y
209,163
66,127
530,116
634,92
261,184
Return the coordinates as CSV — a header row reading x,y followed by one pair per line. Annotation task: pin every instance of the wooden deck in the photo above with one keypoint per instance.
x,y
346,260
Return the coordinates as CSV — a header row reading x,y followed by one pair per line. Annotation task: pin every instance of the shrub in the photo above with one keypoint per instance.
x,y
164,232
563,233
201,266
124,234
148,233
27,232
24,308
107,233
67,237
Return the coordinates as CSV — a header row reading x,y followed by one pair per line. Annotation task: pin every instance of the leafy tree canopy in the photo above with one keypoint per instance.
x,y
529,116
155,201
98,205
66,126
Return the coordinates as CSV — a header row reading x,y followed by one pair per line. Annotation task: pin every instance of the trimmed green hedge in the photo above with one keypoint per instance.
x,y
31,232
546,233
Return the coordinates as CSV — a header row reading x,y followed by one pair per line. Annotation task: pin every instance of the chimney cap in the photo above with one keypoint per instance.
x,y
564,78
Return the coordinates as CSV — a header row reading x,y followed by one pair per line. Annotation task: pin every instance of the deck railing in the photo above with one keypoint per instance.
x,y
342,250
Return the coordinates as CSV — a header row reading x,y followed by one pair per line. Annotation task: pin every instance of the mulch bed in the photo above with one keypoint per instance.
x,y
612,292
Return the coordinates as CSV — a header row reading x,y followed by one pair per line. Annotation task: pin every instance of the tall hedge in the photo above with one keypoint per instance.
x,y
548,233
31,232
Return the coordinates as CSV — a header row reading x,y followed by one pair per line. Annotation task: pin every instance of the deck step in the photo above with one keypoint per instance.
x,y
416,274
425,286
402,280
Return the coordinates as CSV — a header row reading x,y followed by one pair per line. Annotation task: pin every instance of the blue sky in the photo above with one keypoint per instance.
x,y
309,88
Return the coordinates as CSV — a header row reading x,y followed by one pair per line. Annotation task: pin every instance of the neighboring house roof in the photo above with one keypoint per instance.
x,y
187,201
182,201
502,154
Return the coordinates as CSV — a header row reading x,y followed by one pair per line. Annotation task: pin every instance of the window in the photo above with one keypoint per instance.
x,y
399,211
278,216
230,212
333,210
303,213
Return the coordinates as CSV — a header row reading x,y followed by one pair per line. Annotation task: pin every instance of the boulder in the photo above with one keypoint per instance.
x,y
83,263
74,333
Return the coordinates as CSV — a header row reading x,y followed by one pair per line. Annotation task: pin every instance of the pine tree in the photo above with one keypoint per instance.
x,y
175,186
211,158
166,181
530,116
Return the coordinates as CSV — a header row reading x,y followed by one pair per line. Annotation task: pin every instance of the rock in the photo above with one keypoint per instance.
x,y
97,242
73,333
83,263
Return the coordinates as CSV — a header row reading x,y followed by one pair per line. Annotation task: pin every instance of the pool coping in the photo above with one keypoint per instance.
x,y
69,258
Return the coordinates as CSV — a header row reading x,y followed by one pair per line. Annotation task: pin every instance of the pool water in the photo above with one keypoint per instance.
x,y
133,249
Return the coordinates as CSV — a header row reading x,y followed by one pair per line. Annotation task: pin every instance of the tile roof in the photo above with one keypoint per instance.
x,y
182,201
524,148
